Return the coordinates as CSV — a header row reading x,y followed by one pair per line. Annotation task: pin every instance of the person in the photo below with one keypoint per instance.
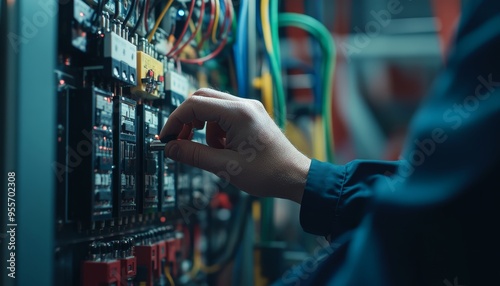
x,y
430,218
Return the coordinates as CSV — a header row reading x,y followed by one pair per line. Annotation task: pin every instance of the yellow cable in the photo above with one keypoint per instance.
x,y
192,27
298,138
319,146
169,276
211,269
159,19
216,21
265,84
199,266
266,26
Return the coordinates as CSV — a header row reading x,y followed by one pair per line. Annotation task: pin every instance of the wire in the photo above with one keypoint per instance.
x,y
97,12
146,18
159,19
130,12
200,61
193,34
139,20
273,17
214,28
241,50
206,35
170,279
184,29
318,31
280,114
151,7
192,27
231,247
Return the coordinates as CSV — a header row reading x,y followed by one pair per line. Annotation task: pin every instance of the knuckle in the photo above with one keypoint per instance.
x,y
203,91
256,103
192,100
246,111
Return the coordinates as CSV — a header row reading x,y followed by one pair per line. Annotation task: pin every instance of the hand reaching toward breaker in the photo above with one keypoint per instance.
x,y
245,147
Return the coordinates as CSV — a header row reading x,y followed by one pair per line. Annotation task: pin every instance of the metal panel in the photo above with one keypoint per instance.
x,y
36,134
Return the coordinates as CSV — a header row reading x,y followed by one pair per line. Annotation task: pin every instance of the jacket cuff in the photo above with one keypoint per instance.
x,y
320,201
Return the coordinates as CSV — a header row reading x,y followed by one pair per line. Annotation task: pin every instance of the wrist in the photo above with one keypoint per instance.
x,y
300,172
297,179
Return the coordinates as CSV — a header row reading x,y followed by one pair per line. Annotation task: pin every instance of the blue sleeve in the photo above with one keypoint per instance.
x,y
435,220
336,196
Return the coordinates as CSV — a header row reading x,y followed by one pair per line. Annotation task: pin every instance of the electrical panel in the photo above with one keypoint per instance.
x,y
119,217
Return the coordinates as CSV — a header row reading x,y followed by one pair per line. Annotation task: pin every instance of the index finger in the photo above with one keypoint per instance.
x,y
203,109
208,92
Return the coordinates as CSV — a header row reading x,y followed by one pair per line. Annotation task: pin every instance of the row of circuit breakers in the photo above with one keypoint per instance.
x,y
116,176
128,91
119,202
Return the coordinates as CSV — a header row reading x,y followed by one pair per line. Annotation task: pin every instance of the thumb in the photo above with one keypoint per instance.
x,y
199,155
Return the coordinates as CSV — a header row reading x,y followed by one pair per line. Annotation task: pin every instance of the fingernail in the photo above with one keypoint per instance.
x,y
174,152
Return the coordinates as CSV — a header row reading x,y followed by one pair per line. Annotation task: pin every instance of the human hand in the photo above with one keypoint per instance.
x,y
245,147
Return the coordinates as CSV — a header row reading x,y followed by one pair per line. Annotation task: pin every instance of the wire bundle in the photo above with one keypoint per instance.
x,y
216,14
318,31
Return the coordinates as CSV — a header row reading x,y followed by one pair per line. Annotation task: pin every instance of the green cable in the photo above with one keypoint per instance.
x,y
321,33
281,97
275,68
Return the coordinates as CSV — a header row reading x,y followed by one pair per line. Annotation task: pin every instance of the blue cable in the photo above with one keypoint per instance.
x,y
241,51
315,9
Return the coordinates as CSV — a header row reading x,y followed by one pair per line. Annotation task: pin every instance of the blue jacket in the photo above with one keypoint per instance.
x,y
432,218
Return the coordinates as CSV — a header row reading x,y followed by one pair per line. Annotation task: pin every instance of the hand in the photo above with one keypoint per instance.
x,y
245,147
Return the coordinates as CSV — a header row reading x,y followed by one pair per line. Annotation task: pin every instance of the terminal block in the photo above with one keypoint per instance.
x,y
176,88
150,74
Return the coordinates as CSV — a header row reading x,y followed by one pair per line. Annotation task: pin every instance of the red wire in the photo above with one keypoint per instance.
x,y
229,17
210,24
184,30
193,34
146,16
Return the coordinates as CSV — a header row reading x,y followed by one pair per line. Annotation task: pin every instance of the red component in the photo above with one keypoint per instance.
x,y
128,268
161,78
162,254
222,200
151,73
147,259
101,273
171,253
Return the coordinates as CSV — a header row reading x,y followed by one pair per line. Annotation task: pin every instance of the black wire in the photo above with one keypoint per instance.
x,y
97,12
117,11
130,12
237,231
154,5
140,18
